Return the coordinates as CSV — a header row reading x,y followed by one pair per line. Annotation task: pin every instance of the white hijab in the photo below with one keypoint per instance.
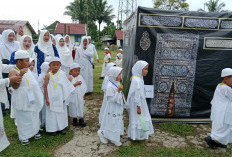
x,y
69,41
64,53
82,40
45,47
113,74
8,47
31,49
137,84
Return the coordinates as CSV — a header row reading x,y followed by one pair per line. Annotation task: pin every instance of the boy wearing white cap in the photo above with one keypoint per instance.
x,y
77,98
57,89
27,99
221,113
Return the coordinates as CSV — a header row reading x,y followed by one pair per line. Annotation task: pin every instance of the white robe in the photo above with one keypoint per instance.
x,y
95,52
4,82
221,114
76,101
3,139
106,61
56,112
27,113
112,125
118,62
83,57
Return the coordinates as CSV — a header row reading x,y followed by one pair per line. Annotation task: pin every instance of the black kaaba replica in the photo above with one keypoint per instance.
x,y
186,52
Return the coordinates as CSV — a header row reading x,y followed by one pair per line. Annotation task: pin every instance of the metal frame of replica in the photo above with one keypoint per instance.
x,y
186,52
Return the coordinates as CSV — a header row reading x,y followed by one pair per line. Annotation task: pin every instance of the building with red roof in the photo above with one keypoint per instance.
x,y
17,25
118,36
74,30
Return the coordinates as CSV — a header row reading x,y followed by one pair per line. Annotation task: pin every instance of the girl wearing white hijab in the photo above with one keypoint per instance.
x,y
65,55
26,43
83,57
118,61
8,44
44,48
140,124
68,42
112,125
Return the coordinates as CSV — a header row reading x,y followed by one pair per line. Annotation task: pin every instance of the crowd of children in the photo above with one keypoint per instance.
x,y
47,78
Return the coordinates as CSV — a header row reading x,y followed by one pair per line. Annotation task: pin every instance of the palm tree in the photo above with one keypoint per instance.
x,y
102,13
77,11
214,6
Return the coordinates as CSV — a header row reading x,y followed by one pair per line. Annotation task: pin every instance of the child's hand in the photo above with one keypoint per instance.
x,y
70,78
49,70
138,110
77,83
23,71
120,88
84,97
47,102
10,90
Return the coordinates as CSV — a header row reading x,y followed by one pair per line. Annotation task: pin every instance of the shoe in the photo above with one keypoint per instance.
x,y
116,143
63,132
75,122
102,138
82,122
217,144
37,136
101,77
25,142
210,142
53,133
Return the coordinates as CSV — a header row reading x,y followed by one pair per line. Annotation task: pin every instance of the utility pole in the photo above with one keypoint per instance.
x,y
126,8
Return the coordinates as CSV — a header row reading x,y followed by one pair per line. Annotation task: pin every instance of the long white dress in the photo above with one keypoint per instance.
x,y
106,61
83,57
27,101
95,52
136,97
3,84
44,69
221,114
112,125
59,88
3,139
76,99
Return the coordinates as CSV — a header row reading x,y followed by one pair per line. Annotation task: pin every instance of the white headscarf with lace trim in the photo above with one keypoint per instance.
x,y
7,47
64,53
45,47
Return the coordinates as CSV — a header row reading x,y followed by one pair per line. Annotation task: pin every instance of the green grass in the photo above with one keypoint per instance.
x,y
37,148
139,149
177,128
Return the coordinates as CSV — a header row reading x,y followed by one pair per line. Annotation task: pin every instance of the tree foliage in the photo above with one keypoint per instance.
x,y
213,6
171,5
89,12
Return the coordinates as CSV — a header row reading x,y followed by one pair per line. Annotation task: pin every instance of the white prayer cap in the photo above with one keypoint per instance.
x,y
89,37
47,59
226,72
106,48
31,59
21,54
54,59
119,49
74,66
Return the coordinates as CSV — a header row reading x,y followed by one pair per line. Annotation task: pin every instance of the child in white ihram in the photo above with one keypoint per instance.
x,y
77,98
140,124
112,125
106,61
221,113
104,85
27,98
57,89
